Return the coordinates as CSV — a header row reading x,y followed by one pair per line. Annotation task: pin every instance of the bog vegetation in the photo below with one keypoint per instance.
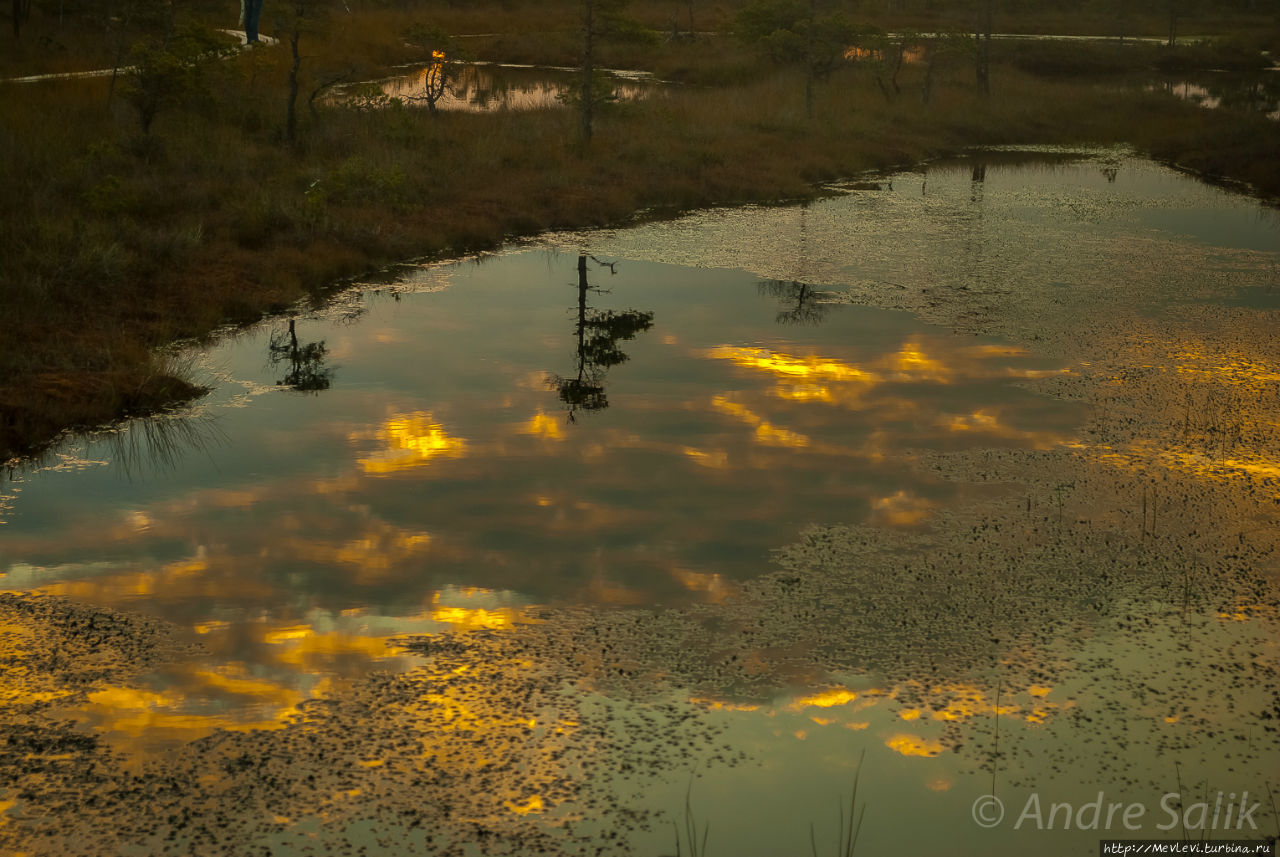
x,y
199,183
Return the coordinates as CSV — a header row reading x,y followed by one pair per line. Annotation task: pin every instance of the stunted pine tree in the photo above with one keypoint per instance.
x,y
168,71
798,32
601,19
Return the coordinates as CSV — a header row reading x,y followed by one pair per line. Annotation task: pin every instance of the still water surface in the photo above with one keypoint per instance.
x,y
482,87
443,459
1255,93
631,419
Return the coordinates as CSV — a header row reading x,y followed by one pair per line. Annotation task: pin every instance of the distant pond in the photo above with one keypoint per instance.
x,y
1254,92
478,87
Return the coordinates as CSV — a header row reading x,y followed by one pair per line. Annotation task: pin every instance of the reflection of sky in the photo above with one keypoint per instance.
x,y
918,792
442,458
438,484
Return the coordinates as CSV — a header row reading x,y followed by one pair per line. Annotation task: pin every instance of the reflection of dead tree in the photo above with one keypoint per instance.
x,y
307,372
441,52
801,302
598,333
612,266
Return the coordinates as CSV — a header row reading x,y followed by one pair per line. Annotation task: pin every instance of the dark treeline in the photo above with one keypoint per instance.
x,y
48,18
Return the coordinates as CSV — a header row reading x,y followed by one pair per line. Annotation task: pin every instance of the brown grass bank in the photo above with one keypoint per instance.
x,y
117,242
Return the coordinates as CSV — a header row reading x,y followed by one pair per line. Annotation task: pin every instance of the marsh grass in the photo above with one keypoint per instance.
x,y
697,845
850,826
117,243
1275,816
158,443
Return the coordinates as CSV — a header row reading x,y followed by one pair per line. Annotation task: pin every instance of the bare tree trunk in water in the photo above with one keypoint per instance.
x,y
582,310
1173,22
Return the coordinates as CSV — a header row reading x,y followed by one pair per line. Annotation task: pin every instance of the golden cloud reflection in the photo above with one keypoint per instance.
x,y
378,553
1137,456
908,363
18,684
1217,426
544,426
929,710
825,699
791,367
410,440
902,509
985,422
913,745
766,433
254,675
186,575
170,716
531,804
804,393
722,705
485,718
912,362
292,663
716,587
771,435
472,618
309,649
1232,367
809,377
821,380
716,459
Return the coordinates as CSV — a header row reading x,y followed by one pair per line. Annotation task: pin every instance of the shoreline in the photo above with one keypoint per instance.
x,y
200,252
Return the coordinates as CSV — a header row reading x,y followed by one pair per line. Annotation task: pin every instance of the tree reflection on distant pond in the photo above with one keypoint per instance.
x,y
486,87
1254,93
